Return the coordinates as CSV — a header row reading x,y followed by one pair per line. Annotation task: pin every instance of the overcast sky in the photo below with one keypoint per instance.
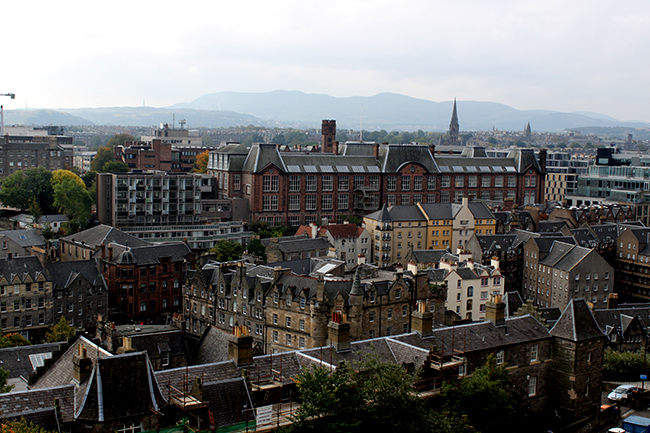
x,y
559,55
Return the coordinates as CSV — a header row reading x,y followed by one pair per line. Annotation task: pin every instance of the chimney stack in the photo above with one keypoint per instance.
x,y
375,150
495,310
82,365
612,300
240,346
422,320
339,333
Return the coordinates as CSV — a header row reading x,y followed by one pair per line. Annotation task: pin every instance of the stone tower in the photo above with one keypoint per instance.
x,y
454,128
328,131
527,132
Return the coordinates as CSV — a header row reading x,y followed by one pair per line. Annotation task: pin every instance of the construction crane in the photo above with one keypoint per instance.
x,y
2,113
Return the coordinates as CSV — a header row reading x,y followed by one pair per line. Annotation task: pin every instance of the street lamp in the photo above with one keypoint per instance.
x,y
2,113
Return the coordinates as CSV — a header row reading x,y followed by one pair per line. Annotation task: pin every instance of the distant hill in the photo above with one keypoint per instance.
x,y
132,116
394,111
43,117
282,108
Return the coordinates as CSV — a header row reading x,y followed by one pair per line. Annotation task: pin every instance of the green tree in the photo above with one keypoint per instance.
x,y
492,140
90,179
115,167
206,141
256,248
227,251
370,395
13,340
19,189
4,375
72,199
482,395
97,141
119,139
62,331
104,155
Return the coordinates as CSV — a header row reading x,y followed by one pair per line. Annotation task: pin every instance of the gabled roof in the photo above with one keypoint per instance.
x,y
480,210
64,273
25,238
427,256
103,234
61,372
296,244
213,346
22,267
344,231
577,323
494,243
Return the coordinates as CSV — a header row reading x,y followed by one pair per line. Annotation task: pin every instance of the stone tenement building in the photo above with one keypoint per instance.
x,y
25,297
556,373
23,152
285,311
300,187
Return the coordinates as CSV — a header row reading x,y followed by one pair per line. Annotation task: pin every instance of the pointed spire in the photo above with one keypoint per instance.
x,y
356,284
454,128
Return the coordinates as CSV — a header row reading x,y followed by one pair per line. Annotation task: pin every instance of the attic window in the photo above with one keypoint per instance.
x,y
373,296
302,302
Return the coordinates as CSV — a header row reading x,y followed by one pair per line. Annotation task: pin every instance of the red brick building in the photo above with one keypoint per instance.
x,y
157,155
299,187
144,282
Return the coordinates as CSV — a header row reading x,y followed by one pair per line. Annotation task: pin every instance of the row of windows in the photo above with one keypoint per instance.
x,y
4,323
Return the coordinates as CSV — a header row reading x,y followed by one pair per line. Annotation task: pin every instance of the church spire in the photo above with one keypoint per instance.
x,y
454,128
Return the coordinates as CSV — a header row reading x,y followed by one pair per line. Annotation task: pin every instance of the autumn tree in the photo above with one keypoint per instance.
x,y
13,340
21,426
115,167
105,153
201,163
4,375
59,176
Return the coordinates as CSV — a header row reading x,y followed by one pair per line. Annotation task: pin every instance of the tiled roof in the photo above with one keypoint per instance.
x,y
22,267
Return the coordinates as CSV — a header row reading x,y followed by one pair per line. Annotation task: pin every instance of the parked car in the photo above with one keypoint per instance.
x,y
621,393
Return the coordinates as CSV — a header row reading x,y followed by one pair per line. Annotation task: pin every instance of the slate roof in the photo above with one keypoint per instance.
x,y
23,360
545,243
64,273
37,404
438,211
585,237
393,156
382,215
480,210
427,256
577,322
493,243
22,267
60,371
226,399
614,317
296,244
126,386
564,256
479,336
148,254
25,238
95,236
213,346
155,343
552,226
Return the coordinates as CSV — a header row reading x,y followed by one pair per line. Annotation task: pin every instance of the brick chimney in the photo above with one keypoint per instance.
x,y
612,300
338,331
495,310
82,365
375,150
422,320
432,149
240,346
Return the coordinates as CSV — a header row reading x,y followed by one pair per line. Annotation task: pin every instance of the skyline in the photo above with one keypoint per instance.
x,y
575,57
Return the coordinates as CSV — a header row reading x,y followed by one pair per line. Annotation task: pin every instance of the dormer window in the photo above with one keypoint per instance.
x,y
373,296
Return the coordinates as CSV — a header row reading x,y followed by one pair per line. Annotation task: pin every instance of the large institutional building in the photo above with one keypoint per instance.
x,y
356,178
